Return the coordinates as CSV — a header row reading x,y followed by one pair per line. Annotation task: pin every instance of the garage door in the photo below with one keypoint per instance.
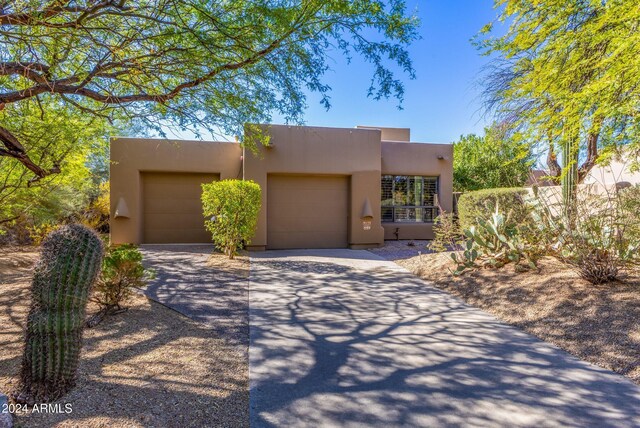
x,y
307,212
172,210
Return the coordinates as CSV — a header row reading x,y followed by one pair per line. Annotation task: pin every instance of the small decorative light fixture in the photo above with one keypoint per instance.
x,y
367,215
122,210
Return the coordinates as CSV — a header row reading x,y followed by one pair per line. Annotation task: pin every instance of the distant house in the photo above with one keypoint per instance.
x,y
321,187
539,177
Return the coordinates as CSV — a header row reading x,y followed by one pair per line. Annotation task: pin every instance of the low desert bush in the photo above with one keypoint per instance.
x,y
37,233
599,239
96,214
31,227
481,204
122,273
231,208
446,232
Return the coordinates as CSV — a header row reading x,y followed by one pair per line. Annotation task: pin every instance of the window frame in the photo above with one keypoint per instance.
x,y
435,210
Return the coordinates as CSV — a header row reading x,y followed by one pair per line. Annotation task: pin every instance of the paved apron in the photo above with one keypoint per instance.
x,y
344,338
185,283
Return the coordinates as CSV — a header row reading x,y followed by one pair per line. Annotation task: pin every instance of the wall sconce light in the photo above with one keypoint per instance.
x,y
367,215
122,210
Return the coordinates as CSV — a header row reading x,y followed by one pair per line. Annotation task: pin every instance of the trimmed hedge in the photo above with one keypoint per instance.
x,y
482,204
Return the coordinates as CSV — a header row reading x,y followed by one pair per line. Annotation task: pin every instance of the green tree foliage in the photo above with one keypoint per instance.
x,y
60,139
493,160
189,63
231,208
566,75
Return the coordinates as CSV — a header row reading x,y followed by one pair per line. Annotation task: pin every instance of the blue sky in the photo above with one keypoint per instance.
x,y
442,102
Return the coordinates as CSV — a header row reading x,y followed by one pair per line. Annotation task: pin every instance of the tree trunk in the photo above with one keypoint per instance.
x,y
555,170
592,150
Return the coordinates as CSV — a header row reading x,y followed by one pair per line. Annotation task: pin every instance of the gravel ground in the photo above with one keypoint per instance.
x,y
597,323
149,366
402,249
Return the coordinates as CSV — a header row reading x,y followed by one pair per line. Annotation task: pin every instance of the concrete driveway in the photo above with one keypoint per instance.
x,y
344,338
187,284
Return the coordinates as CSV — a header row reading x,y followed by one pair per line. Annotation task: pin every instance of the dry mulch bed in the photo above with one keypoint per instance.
x,y
596,323
149,366
238,266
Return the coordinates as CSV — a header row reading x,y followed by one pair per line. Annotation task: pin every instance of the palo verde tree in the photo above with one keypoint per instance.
x,y
188,63
566,74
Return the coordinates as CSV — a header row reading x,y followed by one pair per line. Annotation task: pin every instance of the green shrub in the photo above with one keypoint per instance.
x,y
96,214
122,272
481,204
231,208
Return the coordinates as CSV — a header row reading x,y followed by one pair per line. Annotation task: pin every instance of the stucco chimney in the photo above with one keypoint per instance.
x,y
391,134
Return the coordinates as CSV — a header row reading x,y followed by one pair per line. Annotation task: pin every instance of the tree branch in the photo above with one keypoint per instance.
x,y
15,150
57,87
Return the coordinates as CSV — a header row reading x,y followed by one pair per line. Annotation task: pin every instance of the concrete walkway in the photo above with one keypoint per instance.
x,y
344,338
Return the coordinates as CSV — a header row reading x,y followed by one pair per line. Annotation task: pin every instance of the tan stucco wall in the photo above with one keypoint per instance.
x,y
357,153
317,151
618,171
130,156
400,158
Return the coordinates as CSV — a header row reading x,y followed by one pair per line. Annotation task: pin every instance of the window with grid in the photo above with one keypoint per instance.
x,y
409,198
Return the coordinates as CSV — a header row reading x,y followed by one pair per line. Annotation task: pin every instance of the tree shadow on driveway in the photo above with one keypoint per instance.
x,y
337,343
186,282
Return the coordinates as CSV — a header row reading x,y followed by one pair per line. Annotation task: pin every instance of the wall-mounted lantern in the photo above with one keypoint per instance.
x,y
367,215
122,210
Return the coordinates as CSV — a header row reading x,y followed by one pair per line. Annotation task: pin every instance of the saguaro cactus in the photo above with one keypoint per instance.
x,y
69,265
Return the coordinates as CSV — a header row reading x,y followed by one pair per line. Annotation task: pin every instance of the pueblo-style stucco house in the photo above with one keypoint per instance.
x,y
321,187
